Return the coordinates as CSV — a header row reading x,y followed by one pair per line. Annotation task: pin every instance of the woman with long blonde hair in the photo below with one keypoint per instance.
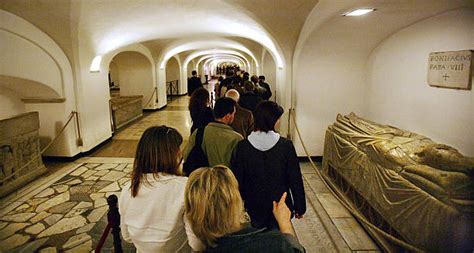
x,y
215,211
152,205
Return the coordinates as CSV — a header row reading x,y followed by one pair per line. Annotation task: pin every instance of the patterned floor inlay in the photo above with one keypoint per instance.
x,y
69,215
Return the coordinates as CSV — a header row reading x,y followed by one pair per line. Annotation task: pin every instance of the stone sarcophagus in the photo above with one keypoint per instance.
x,y
415,188
125,109
20,157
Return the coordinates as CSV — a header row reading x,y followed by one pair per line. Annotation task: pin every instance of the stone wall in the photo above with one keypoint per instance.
x,y
20,157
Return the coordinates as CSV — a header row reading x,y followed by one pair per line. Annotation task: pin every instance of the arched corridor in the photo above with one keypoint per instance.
x,y
80,81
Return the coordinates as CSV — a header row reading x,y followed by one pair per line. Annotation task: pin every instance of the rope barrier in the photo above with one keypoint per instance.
x,y
71,115
153,93
344,202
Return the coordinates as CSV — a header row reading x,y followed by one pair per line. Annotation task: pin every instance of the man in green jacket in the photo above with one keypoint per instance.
x,y
219,139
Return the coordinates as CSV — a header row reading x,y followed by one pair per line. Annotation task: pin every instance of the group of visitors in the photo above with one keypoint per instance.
x,y
253,89
250,172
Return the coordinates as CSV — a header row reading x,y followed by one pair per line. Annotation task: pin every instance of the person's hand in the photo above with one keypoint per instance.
x,y
282,215
298,216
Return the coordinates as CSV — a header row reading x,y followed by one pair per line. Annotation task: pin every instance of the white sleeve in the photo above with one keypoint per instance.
x,y
193,241
122,208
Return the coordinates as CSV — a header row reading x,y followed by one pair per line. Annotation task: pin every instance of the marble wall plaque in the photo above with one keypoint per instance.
x,y
450,69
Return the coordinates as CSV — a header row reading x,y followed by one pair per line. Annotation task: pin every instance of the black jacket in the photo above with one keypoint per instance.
x,y
257,240
193,84
249,101
264,176
202,118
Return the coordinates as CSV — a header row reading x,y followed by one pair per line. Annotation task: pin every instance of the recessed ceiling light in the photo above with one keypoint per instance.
x,y
358,12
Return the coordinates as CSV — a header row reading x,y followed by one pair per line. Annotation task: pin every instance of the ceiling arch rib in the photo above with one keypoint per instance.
x,y
181,46
135,22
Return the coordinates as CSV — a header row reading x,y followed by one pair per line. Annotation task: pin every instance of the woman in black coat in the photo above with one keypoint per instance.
x,y
201,112
266,166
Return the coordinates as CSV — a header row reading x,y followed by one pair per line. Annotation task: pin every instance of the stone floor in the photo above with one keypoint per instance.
x,y
66,209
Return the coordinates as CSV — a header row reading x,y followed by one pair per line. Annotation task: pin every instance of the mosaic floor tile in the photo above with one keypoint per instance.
x,y
21,207
113,187
79,171
20,217
35,229
11,229
50,220
96,214
61,188
63,208
85,229
13,241
77,240
85,247
47,192
39,217
61,198
48,250
113,176
83,204
64,225
32,246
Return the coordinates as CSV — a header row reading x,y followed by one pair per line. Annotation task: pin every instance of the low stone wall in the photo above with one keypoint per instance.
x,y
125,109
20,157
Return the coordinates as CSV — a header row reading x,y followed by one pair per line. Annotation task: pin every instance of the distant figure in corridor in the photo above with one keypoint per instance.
x,y
243,120
152,205
219,139
268,94
199,108
193,83
215,210
249,100
266,166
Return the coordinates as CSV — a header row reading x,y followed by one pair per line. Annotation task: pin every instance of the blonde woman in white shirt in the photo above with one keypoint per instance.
x,y
152,205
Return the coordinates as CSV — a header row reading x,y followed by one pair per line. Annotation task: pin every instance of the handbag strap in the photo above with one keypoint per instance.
x,y
199,136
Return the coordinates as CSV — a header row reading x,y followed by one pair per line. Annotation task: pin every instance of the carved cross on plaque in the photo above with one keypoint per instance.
x,y
445,76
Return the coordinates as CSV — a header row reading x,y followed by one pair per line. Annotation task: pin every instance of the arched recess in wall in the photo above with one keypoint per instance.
x,y
133,74
269,71
35,70
173,71
147,66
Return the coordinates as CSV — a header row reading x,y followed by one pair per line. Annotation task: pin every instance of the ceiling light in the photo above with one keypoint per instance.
x,y
358,12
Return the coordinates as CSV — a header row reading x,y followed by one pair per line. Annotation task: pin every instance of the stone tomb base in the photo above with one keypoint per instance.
x,y
20,157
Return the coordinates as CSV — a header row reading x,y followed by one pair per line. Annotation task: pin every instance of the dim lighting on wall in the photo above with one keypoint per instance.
x,y
95,66
358,12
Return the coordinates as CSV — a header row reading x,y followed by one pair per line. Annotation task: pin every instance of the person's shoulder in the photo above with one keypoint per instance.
x,y
285,141
244,111
235,135
180,179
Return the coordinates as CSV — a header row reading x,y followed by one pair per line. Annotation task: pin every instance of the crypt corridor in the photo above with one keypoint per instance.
x,y
80,81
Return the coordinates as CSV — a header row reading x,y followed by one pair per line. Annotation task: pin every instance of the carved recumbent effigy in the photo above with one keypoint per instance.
x,y
424,191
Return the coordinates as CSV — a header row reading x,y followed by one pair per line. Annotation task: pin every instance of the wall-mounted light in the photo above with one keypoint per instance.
x,y
358,12
95,66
